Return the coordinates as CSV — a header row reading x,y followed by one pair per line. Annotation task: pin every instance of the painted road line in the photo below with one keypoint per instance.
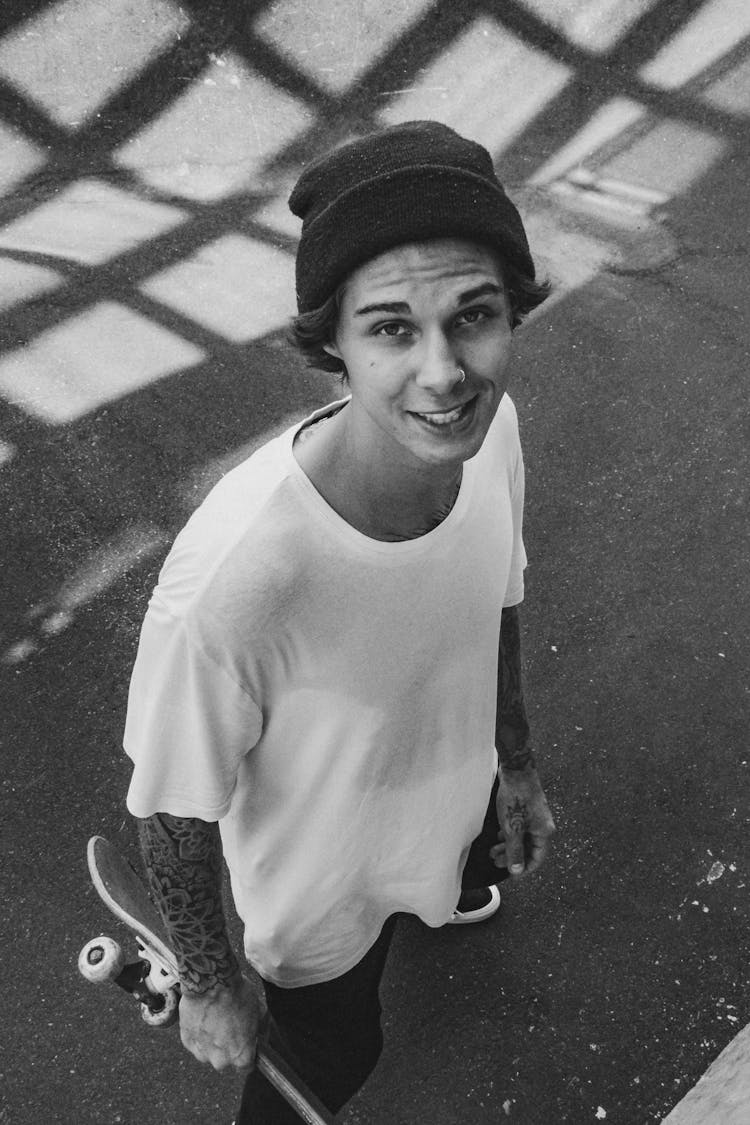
x,y
722,1096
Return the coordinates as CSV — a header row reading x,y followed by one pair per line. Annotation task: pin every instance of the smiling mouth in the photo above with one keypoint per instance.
x,y
445,417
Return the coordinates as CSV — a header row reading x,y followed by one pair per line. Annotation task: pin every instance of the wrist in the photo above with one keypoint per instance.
x,y
517,764
209,987
513,742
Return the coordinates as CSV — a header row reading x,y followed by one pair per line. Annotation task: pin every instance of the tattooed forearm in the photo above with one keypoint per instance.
x,y
512,732
183,861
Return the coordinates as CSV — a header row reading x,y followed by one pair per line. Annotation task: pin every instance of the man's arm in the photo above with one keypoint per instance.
x,y
512,732
525,819
220,1010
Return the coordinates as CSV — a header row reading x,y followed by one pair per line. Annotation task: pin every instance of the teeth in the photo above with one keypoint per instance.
x,y
443,419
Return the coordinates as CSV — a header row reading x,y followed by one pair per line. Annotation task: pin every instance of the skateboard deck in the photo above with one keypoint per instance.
x,y
153,978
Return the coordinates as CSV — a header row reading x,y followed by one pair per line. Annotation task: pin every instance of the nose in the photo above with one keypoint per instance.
x,y
439,368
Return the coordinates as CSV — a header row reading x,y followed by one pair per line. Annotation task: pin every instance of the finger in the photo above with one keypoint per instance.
x,y
193,1048
538,849
244,1063
513,825
223,1059
209,1055
514,853
220,1063
534,861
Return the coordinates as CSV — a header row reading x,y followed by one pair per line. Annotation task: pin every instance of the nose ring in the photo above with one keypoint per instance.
x,y
462,373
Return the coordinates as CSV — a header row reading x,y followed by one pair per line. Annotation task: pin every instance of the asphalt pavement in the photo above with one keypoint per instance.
x,y
145,281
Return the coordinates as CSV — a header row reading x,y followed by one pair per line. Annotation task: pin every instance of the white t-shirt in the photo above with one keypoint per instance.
x,y
330,698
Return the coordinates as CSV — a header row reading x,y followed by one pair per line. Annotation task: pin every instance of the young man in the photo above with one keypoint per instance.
x,y
330,664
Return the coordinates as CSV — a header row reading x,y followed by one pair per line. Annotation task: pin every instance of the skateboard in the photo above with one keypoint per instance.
x,y
153,978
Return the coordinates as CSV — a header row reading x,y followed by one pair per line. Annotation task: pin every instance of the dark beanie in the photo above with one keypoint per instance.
x,y
411,182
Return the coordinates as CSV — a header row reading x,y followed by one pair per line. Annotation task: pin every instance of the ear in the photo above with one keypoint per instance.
x,y
333,350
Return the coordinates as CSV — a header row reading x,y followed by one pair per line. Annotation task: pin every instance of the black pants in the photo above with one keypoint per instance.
x,y
331,1033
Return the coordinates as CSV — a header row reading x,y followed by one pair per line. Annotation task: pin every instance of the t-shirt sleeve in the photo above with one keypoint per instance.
x,y
188,725
514,590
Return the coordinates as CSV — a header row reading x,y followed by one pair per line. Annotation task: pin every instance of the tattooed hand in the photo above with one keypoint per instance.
x,y
526,823
220,1027
220,1010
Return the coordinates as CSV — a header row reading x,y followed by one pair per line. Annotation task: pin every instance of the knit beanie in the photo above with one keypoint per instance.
x,y
411,182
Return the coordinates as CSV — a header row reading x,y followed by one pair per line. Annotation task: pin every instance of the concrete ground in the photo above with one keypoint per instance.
x,y
145,279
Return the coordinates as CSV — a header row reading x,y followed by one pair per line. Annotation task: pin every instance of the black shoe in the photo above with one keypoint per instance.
x,y
476,906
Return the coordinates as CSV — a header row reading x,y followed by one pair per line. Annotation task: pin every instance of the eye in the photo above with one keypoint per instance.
x,y
472,316
391,328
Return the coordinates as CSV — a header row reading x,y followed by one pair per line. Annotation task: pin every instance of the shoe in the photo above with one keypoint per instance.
x,y
476,906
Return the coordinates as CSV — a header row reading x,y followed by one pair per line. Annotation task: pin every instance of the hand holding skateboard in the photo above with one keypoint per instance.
x,y
221,1027
153,979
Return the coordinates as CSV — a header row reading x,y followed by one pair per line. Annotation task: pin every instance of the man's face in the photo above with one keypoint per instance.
x,y
409,320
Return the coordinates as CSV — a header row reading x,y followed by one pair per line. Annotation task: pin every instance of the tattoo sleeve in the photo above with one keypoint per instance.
x,y
512,734
183,859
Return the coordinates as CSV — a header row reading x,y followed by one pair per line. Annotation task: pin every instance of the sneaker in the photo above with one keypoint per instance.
x,y
476,906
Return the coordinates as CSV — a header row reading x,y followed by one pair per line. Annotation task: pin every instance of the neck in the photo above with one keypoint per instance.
x,y
382,496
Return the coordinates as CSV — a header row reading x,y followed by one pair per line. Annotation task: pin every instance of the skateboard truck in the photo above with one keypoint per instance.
x,y
157,990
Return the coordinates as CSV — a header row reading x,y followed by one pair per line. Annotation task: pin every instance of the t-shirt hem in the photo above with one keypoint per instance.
x,y
176,805
515,597
302,980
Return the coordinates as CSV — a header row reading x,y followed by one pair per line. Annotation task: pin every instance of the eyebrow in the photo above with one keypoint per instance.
x,y
395,308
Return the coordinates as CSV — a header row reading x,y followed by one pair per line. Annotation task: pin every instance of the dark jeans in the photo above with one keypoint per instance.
x,y
330,1033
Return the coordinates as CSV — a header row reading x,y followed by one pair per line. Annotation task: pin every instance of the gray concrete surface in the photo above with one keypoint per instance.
x,y
147,156
723,1093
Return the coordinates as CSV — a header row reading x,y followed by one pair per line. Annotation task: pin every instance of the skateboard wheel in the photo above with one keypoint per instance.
x,y
164,1015
101,959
